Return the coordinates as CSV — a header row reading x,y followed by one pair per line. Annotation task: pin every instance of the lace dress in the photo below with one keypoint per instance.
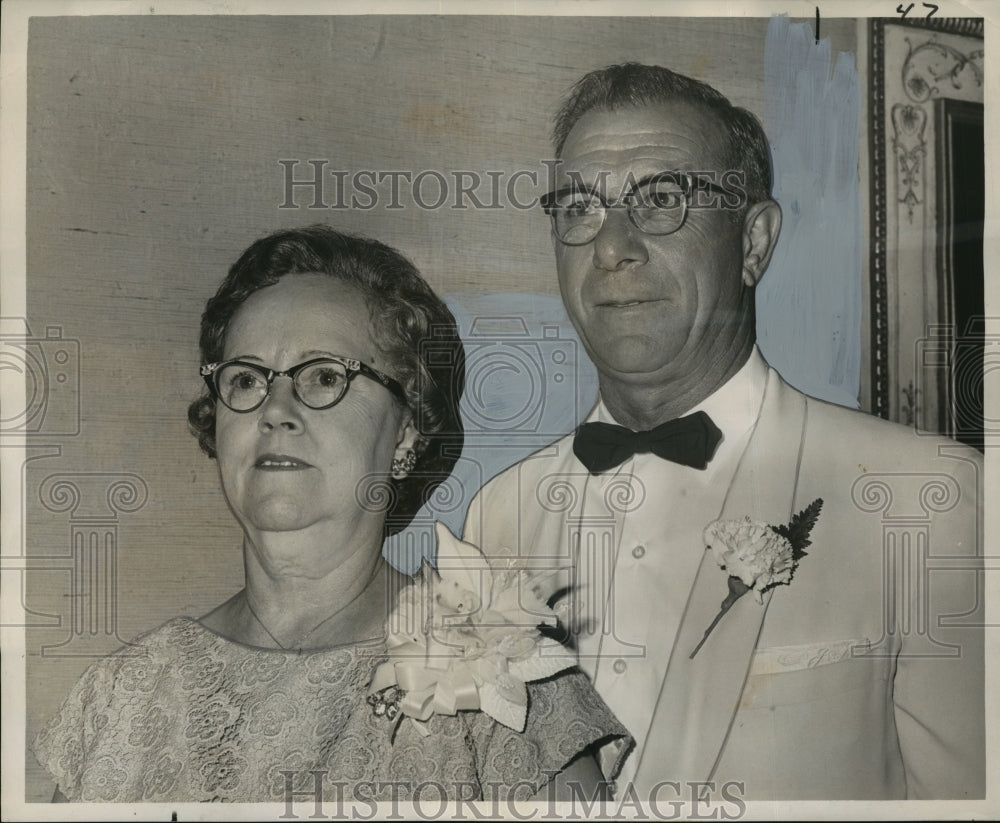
x,y
188,715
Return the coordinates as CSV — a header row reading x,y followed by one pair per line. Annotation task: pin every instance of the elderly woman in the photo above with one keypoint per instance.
x,y
323,396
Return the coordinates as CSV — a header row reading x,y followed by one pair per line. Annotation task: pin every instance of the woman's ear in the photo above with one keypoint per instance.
x,y
406,432
761,227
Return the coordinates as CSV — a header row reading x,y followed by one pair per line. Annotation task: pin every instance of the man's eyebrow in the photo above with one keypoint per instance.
x,y
649,178
629,184
582,188
576,182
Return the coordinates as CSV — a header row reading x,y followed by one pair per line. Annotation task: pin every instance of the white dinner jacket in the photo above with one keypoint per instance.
x,y
862,678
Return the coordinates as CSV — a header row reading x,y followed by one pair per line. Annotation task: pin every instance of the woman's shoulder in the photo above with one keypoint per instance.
x,y
171,629
176,635
140,658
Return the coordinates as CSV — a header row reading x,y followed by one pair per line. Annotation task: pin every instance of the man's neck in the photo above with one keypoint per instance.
x,y
641,406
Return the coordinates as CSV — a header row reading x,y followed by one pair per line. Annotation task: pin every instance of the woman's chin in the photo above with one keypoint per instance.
x,y
278,515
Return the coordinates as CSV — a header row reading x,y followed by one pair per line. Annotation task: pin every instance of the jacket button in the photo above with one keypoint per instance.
x,y
639,552
620,666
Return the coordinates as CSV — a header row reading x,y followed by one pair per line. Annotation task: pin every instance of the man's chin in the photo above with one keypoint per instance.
x,y
633,359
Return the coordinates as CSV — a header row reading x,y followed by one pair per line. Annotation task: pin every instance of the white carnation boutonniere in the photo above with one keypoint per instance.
x,y
756,555
465,636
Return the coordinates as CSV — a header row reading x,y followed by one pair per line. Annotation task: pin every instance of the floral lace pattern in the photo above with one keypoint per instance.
x,y
199,717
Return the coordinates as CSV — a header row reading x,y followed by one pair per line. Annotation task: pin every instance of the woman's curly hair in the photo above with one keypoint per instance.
x,y
411,325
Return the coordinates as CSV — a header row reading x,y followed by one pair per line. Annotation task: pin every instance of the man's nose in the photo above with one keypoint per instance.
x,y
619,244
282,409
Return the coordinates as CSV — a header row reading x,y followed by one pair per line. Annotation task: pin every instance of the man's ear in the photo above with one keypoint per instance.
x,y
761,227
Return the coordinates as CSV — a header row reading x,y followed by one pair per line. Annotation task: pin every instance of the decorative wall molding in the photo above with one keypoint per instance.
x,y
879,353
910,148
930,64
912,64
968,26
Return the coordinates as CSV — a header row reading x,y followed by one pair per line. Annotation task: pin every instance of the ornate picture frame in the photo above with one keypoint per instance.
x,y
915,67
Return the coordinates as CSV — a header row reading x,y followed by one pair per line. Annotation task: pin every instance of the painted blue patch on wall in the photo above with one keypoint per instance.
x,y
809,300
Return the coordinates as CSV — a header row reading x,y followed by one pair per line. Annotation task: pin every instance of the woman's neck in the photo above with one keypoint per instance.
x,y
310,618
304,595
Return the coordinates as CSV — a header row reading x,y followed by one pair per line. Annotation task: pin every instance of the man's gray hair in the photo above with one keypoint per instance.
x,y
635,84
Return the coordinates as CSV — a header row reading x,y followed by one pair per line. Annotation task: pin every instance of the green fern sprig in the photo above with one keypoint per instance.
x,y
797,531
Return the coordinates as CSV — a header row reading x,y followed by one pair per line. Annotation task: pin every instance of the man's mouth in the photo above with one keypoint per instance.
x,y
624,304
280,462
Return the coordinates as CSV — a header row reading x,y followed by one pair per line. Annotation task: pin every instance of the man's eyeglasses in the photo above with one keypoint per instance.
x,y
657,205
318,384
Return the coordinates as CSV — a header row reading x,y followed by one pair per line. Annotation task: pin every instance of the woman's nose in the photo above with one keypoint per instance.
x,y
281,409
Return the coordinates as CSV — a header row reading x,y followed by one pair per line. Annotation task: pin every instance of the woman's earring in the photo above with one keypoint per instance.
x,y
402,466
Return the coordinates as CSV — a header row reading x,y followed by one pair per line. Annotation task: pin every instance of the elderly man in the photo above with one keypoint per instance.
x,y
853,666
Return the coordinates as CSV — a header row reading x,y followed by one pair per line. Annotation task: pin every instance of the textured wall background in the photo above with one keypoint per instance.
x,y
153,149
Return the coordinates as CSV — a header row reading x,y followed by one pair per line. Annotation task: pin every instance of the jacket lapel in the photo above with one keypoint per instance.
x,y
581,516
552,490
699,697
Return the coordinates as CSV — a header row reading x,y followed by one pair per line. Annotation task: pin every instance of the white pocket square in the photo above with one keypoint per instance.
x,y
781,659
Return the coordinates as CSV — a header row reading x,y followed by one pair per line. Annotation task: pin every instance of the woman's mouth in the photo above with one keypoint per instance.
x,y
280,462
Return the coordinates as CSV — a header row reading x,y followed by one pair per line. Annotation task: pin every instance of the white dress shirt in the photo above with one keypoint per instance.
x,y
636,582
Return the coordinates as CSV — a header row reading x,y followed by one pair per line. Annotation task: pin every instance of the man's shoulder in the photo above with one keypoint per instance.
x,y
844,429
515,497
853,459
854,425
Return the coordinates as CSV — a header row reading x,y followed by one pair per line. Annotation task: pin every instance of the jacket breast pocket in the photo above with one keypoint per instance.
x,y
816,672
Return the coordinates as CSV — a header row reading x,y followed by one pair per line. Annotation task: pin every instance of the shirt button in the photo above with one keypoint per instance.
x,y
639,552
620,666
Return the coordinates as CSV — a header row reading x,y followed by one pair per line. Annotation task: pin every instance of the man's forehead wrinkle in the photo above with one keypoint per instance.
x,y
643,139
615,141
612,168
656,158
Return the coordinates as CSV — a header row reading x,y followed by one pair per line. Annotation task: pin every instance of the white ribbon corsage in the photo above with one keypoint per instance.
x,y
465,636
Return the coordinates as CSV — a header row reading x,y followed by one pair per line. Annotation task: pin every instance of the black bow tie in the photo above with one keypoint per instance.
x,y
690,441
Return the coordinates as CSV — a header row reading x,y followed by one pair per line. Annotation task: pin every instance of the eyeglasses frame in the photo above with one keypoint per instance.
x,y
354,367
686,180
